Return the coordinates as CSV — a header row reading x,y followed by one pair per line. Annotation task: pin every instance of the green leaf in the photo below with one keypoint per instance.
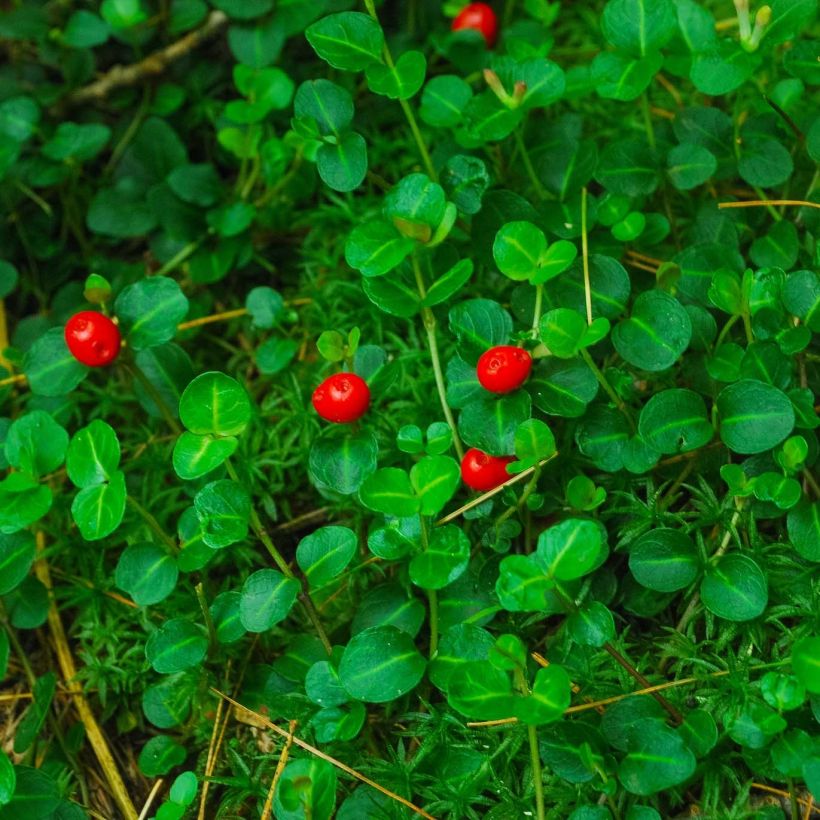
x,y
628,167
735,588
22,502
36,444
400,81
343,164
168,368
674,421
223,508
722,68
764,162
806,663
416,205
449,283
49,366
350,40
459,645
176,646
93,454
549,698
522,584
77,142
658,759
159,755
562,330
35,716
215,404
562,388
390,492
267,597
639,26
803,523
375,248
324,554
518,249
8,779
85,30
341,460
689,165
444,99
490,424
664,560
754,417
195,456
434,479
591,625
98,509
330,105
150,310
147,573
17,553
656,334
306,788
534,442
618,76
570,549
478,690
380,664
198,184
479,324
443,561
184,788
465,179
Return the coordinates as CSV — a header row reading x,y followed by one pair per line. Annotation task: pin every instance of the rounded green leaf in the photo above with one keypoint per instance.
x,y
375,248
98,510
150,310
490,424
49,366
341,460
350,40
343,164
478,690
159,755
401,80
147,573
690,165
754,416
518,248
380,664
306,789
664,559
324,554
735,588
390,492
93,454
549,698
267,597
639,26
223,509
657,759
8,779
435,479
570,549
806,663
674,421
36,444
226,616
656,334
17,552
803,523
195,456
443,561
591,625
214,403
176,646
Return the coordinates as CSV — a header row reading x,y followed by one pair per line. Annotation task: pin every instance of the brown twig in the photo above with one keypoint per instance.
x,y
765,203
118,76
280,767
69,671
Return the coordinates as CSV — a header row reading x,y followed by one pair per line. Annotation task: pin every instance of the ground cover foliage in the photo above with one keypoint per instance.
x,y
216,604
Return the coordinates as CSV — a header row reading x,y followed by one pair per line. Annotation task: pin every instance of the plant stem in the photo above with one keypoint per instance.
x,y
536,314
206,614
432,596
304,596
531,484
647,120
610,391
154,525
405,106
525,156
160,402
585,255
178,258
429,319
726,328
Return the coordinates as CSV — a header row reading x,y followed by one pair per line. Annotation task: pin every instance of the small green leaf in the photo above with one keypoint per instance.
x,y
570,549
267,597
215,404
350,40
324,554
735,588
390,492
176,646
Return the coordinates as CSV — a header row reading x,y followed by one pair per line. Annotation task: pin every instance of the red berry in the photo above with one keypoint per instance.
x,y
342,398
482,471
92,338
478,17
503,368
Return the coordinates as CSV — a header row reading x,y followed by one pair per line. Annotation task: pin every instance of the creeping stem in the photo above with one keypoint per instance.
x,y
429,319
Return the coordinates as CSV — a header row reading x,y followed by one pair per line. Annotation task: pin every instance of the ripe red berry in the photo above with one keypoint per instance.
x,y
482,471
478,17
342,398
92,338
503,368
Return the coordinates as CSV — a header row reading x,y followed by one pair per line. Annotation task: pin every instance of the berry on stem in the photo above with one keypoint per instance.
x,y
342,398
484,472
478,17
503,368
92,338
